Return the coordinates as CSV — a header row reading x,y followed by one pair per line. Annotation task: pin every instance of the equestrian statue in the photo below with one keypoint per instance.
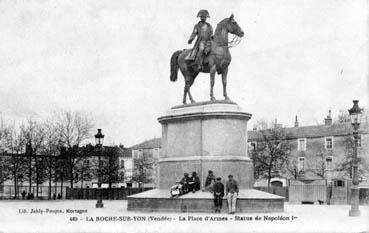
x,y
210,54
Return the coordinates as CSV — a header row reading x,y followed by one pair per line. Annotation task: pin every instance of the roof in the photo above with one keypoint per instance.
x,y
125,152
148,144
314,131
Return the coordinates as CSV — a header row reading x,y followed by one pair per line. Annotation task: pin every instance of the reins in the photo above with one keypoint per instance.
x,y
234,42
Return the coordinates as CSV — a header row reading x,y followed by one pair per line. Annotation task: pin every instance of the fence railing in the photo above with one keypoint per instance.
x,y
106,193
313,193
23,191
308,193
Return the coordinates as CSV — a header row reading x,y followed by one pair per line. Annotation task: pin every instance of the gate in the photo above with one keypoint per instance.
x,y
308,191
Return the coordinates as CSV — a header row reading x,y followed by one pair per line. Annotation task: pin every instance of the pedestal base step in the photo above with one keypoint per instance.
x,y
159,200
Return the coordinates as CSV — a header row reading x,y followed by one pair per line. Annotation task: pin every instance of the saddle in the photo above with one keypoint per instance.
x,y
190,58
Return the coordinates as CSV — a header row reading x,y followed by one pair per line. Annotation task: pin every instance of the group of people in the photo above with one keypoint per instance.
x,y
31,196
213,185
185,185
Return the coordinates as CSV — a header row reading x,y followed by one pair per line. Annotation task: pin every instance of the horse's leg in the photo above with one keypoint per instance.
x,y
224,80
186,88
212,80
185,94
189,91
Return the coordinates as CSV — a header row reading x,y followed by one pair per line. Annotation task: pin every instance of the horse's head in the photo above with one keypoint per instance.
x,y
233,27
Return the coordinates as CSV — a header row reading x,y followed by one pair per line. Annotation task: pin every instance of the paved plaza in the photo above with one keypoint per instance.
x,y
82,216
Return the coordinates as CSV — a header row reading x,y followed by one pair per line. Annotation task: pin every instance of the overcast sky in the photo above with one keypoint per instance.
x,y
111,59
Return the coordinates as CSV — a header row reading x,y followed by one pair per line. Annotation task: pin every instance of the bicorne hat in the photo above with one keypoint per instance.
x,y
203,13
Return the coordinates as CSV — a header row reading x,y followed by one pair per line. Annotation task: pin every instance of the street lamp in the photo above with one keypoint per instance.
x,y
355,116
99,139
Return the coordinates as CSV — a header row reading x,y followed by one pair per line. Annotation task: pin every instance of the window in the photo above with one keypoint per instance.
x,y
329,143
156,153
301,144
339,183
328,162
301,164
122,163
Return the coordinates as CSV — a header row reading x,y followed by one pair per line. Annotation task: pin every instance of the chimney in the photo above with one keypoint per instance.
x,y
328,119
296,122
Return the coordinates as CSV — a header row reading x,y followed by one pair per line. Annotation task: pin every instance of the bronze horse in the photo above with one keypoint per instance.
x,y
218,59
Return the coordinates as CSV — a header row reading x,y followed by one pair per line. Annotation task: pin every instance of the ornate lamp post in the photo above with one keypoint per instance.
x,y
355,115
99,139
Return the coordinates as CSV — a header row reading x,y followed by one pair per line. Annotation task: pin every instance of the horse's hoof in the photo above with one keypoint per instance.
x,y
193,101
212,99
226,98
184,102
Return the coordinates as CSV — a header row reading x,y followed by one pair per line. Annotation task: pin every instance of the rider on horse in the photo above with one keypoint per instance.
x,y
204,33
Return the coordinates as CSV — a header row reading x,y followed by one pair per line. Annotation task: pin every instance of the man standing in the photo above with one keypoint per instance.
x,y
218,189
232,194
204,33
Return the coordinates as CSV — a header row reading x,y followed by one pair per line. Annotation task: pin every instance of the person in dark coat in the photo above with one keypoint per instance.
x,y
194,183
209,182
218,190
185,182
24,194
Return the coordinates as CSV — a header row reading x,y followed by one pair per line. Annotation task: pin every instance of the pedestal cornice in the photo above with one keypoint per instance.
x,y
205,110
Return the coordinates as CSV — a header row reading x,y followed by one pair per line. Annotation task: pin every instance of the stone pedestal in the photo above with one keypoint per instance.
x,y
197,138
205,136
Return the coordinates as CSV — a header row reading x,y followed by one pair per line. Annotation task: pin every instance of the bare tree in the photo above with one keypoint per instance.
x,y
73,128
50,151
61,169
291,168
261,124
14,159
34,136
110,169
272,153
4,168
343,116
86,166
346,164
143,169
318,165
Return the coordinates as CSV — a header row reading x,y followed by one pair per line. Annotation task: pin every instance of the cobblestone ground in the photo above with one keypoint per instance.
x,y
82,216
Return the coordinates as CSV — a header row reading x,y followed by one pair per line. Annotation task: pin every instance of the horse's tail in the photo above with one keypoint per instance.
x,y
174,66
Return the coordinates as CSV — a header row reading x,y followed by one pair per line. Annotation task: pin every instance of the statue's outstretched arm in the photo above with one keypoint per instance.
x,y
211,32
193,35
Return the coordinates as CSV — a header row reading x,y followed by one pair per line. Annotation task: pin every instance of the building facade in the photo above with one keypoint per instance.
x,y
321,151
145,156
